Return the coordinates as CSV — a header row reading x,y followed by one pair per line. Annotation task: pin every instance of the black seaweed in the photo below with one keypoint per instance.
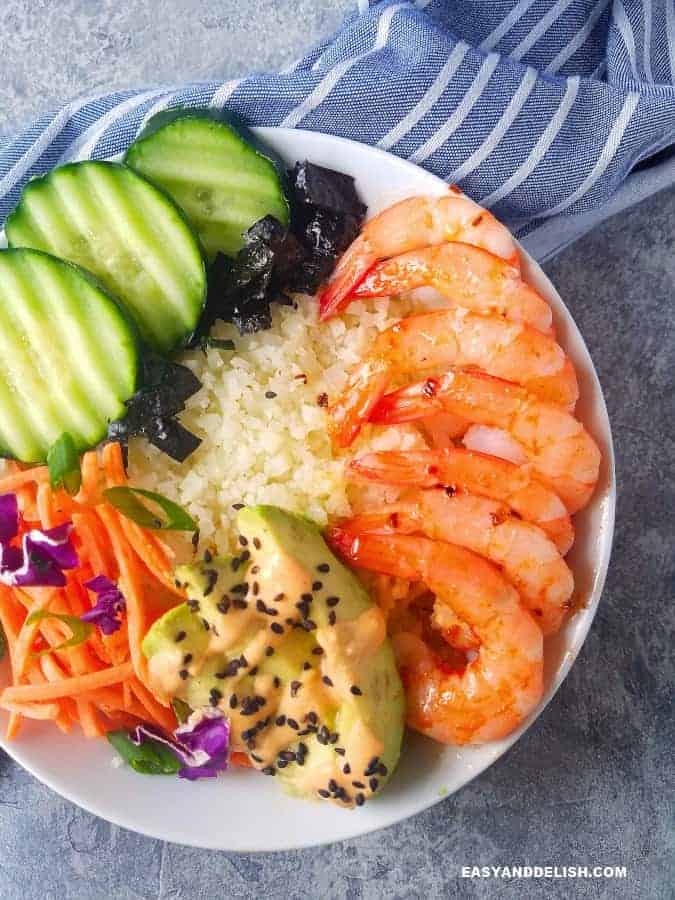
x,y
326,215
151,412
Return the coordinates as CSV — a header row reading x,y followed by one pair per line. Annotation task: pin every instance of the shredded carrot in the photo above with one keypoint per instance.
x,y
34,710
113,465
67,687
11,483
89,487
160,714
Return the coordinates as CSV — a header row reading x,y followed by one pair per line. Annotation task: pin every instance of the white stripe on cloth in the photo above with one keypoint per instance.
x,y
224,92
161,104
539,150
606,155
540,28
579,38
326,85
647,38
626,32
83,146
465,106
48,136
428,100
670,34
506,24
507,118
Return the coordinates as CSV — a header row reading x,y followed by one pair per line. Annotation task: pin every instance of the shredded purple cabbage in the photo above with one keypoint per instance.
x,y
43,554
110,603
201,744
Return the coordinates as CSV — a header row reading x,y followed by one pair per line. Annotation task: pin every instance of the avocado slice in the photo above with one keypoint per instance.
x,y
287,642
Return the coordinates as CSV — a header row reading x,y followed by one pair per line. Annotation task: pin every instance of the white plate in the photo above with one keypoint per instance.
x,y
243,811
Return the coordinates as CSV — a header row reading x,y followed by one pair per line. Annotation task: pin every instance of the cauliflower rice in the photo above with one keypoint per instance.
x,y
262,418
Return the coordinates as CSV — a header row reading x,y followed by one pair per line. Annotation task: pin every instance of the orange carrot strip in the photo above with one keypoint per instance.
x,y
132,588
89,719
45,506
34,710
113,465
151,553
159,714
67,687
92,540
24,641
12,482
89,487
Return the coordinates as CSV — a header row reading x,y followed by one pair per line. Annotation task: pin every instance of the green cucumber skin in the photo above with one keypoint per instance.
x,y
129,233
203,159
107,371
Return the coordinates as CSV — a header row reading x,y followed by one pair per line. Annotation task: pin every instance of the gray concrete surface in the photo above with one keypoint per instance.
x,y
592,781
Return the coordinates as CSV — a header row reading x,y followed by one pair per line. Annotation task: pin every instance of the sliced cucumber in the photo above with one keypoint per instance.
x,y
222,181
68,356
130,235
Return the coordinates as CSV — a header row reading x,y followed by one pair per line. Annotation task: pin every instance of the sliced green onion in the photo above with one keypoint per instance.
x,y
148,758
81,630
125,500
63,462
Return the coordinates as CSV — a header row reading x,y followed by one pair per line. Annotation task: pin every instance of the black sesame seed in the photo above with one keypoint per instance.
x,y
183,674
302,748
211,580
340,750
221,675
332,617
281,764
260,606
306,666
292,724
373,783
309,625
288,755
193,604
333,738
256,543
317,585
306,598
241,588
356,690
323,567
360,799
269,651
223,605
358,784
177,582
238,603
326,680
255,588
279,598
253,672
277,681
243,662
269,770
382,769
256,758
270,395
312,717
233,701
237,506
295,687
347,769
280,720
215,696
245,556
187,659
180,636
332,601
206,625
255,570
322,792
332,785
277,628
317,651
243,541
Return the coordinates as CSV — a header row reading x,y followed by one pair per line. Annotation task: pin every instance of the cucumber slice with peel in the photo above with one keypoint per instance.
x,y
222,181
68,356
129,234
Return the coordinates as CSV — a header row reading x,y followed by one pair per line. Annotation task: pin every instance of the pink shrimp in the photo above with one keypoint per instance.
x,y
561,452
503,683
529,560
411,224
477,473
464,276
449,337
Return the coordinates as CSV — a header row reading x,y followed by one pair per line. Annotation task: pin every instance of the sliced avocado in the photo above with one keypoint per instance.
x,y
288,643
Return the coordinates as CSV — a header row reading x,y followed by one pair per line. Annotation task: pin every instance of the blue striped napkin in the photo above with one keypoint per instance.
x,y
552,113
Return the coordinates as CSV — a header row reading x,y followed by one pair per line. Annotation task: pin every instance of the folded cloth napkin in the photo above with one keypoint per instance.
x,y
552,113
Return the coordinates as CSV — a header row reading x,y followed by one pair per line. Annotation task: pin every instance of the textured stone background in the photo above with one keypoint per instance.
x,y
591,783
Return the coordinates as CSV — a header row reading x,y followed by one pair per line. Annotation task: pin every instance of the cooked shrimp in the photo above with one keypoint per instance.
x,y
529,560
477,473
464,276
503,683
449,337
411,224
561,452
